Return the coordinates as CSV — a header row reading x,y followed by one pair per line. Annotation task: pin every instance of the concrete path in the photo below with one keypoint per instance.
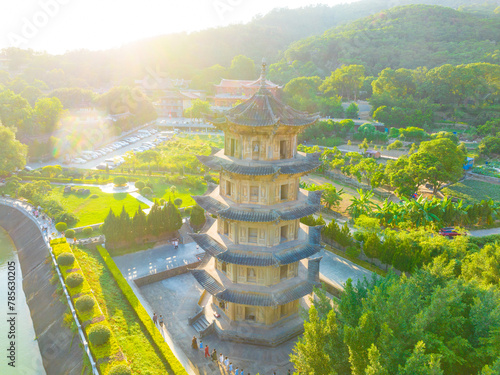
x,y
141,198
155,260
484,232
337,270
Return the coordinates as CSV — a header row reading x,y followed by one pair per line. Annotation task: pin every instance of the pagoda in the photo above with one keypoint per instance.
x,y
260,261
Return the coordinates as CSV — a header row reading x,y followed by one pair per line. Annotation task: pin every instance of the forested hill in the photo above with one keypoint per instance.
x,y
186,55
404,37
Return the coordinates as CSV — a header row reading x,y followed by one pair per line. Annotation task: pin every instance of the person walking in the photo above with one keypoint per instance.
x,y
214,355
236,372
207,353
194,343
201,345
242,372
155,318
226,363
161,321
221,359
230,367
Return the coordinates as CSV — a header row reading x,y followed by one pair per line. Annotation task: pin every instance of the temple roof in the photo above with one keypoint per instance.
x,y
213,206
248,298
264,109
264,259
299,166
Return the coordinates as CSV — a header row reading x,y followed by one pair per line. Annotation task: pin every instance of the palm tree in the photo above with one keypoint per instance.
x,y
362,205
332,197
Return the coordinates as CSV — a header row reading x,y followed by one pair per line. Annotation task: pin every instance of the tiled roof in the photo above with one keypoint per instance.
x,y
208,244
314,197
264,109
213,287
264,299
213,206
299,212
216,163
297,254
249,216
209,204
246,259
254,259
207,282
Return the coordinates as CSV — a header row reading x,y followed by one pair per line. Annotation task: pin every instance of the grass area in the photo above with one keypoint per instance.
x,y
357,261
134,340
473,191
162,190
94,210
349,191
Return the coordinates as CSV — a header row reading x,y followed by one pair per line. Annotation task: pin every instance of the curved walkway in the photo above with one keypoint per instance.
x,y
60,352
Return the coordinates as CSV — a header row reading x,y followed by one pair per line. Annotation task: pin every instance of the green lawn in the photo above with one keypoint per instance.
x,y
162,190
133,339
94,210
474,191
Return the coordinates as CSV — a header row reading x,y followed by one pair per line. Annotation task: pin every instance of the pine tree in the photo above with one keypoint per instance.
x,y
420,363
374,367
174,217
155,220
139,224
125,227
109,228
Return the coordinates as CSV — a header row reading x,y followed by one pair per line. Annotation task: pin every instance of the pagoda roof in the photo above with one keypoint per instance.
x,y
264,259
250,298
217,163
245,83
214,206
264,109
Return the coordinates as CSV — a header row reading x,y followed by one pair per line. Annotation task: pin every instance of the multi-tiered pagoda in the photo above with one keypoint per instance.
x,y
260,257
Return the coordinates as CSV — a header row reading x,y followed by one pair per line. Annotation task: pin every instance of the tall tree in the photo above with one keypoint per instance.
x,y
242,67
12,153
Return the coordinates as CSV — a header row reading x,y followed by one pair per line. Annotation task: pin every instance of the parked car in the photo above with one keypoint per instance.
x,y
451,232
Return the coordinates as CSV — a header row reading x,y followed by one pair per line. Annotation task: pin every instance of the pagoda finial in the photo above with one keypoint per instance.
x,y
263,73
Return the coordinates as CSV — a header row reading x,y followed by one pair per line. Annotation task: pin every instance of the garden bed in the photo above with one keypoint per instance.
x,y
473,191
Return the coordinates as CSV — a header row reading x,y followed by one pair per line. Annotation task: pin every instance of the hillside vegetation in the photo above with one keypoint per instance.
x,y
404,37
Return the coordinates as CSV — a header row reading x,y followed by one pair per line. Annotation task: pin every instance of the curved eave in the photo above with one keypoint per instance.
x,y
265,299
299,167
213,287
217,250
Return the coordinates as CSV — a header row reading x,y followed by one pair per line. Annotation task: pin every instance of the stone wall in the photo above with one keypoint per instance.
x,y
59,347
145,280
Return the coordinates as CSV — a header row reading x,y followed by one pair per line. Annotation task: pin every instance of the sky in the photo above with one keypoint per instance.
x,y
57,26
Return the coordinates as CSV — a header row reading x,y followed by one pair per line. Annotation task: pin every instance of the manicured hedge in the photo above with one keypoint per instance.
x,y
142,314
111,347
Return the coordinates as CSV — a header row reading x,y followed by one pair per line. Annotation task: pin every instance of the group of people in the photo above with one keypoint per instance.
x,y
157,320
223,361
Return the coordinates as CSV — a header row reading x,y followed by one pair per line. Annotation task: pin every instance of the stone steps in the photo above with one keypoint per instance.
x,y
201,324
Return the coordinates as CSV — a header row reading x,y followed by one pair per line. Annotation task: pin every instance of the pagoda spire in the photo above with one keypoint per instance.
x,y
263,73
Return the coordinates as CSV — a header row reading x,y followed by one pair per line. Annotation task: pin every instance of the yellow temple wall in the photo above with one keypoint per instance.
x,y
251,275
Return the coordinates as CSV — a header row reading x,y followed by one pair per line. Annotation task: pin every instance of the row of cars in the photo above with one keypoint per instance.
x,y
86,156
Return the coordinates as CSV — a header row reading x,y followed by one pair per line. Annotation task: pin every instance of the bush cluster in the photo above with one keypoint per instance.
x,y
65,259
70,233
85,303
99,334
74,279
120,370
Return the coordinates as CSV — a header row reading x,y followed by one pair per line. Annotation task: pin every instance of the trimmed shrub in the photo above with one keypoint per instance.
x,y
197,216
74,279
162,202
61,226
66,217
87,231
140,185
178,202
120,370
120,181
146,191
65,259
70,233
85,303
99,334
94,196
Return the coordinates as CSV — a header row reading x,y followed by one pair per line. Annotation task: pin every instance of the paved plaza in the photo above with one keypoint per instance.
x,y
161,258
176,299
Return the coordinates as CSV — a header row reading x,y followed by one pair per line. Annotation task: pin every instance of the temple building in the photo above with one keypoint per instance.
x,y
231,91
260,261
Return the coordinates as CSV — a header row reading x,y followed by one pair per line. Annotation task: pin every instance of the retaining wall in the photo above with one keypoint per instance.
x,y
59,347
